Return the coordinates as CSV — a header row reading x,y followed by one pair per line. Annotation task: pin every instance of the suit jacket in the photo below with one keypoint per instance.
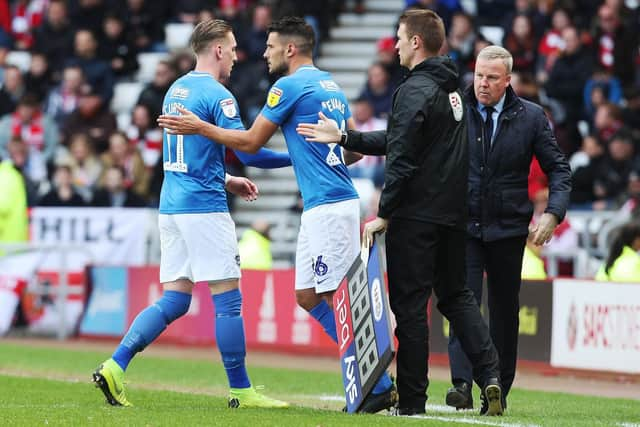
x,y
499,205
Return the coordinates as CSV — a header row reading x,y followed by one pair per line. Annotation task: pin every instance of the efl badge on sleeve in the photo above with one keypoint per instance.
x,y
228,107
274,97
365,340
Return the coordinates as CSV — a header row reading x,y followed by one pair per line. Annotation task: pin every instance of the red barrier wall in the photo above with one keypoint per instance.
x,y
273,321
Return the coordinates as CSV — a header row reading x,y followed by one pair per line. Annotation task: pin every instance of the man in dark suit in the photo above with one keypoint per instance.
x,y
505,131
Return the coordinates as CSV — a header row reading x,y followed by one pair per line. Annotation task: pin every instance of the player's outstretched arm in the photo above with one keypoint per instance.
x,y
248,141
241,186
264,159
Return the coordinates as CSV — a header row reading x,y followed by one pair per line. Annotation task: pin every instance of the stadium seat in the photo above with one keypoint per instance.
x,y
125,96
148,62
20,59
177,35
492,33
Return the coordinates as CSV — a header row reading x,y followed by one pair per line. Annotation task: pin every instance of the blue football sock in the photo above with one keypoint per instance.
x,y
150,323
383,384
230,337
323,314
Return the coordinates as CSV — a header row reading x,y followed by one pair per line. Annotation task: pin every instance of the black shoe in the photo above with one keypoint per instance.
x,y
407,412
459,396
377,402
485,406
492,400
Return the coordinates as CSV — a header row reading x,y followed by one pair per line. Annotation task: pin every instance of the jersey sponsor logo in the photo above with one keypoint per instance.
x,y
456,105
228,107
329,85
180,93
274,97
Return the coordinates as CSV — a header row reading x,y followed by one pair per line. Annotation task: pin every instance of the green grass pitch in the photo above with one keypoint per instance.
x,y
50,386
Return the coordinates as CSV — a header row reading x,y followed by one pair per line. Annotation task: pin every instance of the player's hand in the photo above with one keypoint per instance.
x,y
186,123
378,225
326,130
542,231
243,187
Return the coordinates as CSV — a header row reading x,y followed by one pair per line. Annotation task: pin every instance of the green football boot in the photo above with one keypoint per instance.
x,y
250,398
109,378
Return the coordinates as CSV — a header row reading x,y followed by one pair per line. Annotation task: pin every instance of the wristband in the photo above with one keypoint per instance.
x,y
343,138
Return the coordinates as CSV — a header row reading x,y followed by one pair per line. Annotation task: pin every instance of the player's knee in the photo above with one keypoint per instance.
x,y
307,298
173,305
328,298
228,304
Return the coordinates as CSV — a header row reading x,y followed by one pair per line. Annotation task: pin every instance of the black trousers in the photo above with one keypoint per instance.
x,y
423,256
502,260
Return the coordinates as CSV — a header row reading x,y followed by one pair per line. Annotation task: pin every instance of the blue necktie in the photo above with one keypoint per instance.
x,y
488,130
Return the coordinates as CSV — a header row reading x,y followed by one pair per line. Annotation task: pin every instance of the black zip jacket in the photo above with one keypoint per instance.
x,y
499,205
426,147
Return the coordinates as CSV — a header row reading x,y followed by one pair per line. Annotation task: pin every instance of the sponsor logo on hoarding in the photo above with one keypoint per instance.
x,y
376,300
611,326
572,327
596,326
344,319
351,389
528,321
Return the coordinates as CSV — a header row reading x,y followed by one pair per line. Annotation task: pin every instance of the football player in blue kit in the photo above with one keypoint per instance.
x,y
197,235
329,238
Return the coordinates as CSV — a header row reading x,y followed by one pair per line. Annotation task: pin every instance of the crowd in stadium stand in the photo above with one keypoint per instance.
x,y
56,125
579,59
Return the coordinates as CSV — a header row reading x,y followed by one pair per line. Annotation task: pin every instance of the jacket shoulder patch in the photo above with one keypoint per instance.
x,y
456,105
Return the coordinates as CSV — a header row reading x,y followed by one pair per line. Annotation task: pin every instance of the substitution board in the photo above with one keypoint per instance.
x,y
365,338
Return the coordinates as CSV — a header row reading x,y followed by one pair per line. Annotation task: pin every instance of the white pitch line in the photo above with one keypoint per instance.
x,y
328,398
38,406
444,408
335,398
464,420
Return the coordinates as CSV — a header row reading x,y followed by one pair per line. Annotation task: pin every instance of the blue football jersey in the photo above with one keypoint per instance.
x,y
320,170
194,168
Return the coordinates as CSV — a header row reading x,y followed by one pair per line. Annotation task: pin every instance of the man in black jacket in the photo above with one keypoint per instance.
x,y
505,131
424,206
